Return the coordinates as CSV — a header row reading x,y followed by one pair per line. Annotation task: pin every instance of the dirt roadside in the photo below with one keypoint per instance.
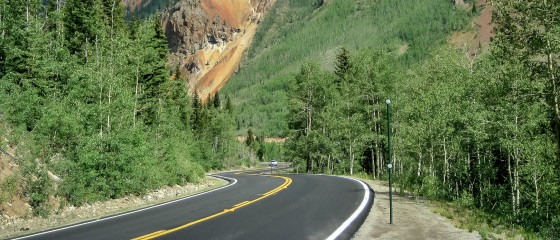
x,y
11,227
412,219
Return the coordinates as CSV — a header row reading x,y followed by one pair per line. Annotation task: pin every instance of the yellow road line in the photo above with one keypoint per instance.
x,y
285,185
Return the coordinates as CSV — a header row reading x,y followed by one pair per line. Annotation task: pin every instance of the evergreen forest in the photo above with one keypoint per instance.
x,y
148,8
86,96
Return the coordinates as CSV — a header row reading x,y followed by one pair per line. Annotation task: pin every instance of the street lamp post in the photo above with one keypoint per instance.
x,y
390,159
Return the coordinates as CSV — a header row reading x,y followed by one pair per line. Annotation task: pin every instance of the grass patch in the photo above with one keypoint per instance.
x,y
487,225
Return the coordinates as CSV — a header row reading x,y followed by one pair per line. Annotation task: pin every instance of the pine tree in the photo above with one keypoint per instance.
x,y
229,107
250,138
153,69
82,25
342,65
216,101
113,15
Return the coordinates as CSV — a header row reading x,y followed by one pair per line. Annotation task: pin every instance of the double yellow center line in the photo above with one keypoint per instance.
x,y
285,185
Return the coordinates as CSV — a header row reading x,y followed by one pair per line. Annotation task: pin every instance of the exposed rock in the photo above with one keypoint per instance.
x,y
53,177
201,32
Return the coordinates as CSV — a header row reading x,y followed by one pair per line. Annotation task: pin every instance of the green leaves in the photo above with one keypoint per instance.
x,y
95,105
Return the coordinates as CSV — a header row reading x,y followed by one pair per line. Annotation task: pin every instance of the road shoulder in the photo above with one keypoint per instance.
x,y
412,219
12,227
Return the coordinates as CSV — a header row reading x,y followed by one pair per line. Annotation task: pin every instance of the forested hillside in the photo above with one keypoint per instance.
x,y
92,111
145,8
295,31
482,132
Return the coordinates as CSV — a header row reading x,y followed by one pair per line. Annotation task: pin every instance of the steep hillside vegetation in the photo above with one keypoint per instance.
x,y
295,31
146,8
88,98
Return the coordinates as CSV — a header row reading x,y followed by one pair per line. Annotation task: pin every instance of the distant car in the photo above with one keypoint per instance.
x,y
274,163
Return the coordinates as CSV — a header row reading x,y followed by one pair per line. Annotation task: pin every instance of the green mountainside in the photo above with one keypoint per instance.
x,y
480,131
296,31
148,8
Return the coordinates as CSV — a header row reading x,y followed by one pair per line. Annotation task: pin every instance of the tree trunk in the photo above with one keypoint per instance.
x,y
27,16
135,99
536,182
419,163
351,159
112,18
100,90
555,93
373,167
85,50
517,191
432,171
445,162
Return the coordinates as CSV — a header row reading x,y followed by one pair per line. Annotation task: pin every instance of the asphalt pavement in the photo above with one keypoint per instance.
x,y
254,205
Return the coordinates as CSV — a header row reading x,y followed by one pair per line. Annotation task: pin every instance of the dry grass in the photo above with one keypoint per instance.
x,y
487,225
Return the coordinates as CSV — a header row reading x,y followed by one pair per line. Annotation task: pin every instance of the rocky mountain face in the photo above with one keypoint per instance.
x,y
207,38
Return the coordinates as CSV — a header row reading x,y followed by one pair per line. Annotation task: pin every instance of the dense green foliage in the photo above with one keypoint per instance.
x,y
149,7
91,100
482,132
296,31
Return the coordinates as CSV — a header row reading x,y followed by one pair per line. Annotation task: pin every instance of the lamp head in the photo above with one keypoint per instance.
x,y
388,101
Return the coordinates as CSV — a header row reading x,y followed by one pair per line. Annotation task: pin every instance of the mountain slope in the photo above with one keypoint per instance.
x,y
207,39
298,31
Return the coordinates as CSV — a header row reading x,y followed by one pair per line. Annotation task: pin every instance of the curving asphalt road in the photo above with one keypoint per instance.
x,y
253,206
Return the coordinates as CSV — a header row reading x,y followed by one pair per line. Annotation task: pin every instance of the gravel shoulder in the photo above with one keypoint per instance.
x,y
11,227
413,218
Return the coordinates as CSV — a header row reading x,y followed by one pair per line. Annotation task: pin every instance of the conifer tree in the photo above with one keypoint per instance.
x,y
216,101
342,65
250,138
82,25
229,107
113,15
153,69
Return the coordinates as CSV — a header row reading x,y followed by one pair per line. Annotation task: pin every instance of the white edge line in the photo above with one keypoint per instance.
x,y
233,182
354,215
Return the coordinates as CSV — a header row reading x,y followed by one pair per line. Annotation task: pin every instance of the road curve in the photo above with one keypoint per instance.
x,y
252,206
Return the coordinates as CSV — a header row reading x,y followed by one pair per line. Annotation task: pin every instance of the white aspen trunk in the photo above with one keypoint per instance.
x,y
215,146
135,99
445,162
510,173
309,119
27,16
419,163
479,178
85,52
100,88
328,162
112,18
536,182
109,108
517,191
351,159
551,64
372,151
432,172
